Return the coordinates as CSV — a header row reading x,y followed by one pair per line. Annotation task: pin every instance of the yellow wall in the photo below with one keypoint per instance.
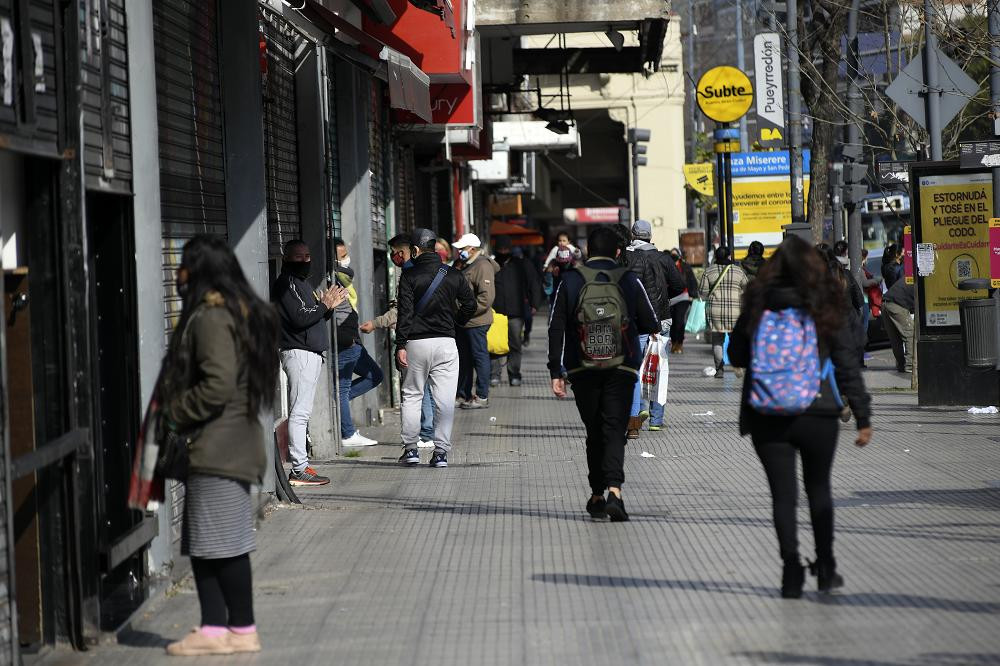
x,y
655,103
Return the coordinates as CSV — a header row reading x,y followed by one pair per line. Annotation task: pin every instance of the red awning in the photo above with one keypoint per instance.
x,y
498,228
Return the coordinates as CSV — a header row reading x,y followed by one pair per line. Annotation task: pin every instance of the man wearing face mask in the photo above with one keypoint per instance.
x,y
401,256
517,289
304,341
473,352
343,258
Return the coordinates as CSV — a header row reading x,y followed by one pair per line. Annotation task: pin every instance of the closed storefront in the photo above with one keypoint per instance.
x,y
334,228
189,116
192,153
405,177
378,141
280,140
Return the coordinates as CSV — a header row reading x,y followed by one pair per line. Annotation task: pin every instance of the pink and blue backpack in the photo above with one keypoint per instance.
x,y
785,373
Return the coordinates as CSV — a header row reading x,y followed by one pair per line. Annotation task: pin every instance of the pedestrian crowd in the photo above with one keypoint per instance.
x,y
792,325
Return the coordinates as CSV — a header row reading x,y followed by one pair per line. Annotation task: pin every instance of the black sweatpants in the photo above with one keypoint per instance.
x,y
604,399
678,320
777,439
225,590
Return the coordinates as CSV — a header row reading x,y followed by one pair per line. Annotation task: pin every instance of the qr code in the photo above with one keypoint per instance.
x,y
963,268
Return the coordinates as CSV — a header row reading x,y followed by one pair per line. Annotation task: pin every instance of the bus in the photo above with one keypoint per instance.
x,y
883,216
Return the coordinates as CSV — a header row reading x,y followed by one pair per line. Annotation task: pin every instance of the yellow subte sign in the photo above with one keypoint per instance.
x,y
700,178
725,94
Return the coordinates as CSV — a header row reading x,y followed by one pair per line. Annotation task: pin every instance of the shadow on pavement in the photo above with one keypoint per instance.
x,y
863,599
143,639
928,659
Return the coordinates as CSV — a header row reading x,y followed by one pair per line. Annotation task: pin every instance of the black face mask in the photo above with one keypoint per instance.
x,y
299,269
502,258
183,289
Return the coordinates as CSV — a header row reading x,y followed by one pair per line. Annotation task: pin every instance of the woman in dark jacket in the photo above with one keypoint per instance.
x,y
219,373
679,306
796,276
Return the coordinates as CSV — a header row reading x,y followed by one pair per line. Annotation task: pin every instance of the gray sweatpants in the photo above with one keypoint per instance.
x,y
432,361
303,369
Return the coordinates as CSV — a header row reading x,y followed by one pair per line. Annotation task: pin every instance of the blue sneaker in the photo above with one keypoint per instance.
x,y
440,459
410,457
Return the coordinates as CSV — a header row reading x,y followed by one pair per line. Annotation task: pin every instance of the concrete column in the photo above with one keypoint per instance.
x,y
246,200
147,226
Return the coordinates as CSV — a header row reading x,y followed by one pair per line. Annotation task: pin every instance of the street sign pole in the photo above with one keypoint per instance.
x,y
856,106
932,90
727,141
798,226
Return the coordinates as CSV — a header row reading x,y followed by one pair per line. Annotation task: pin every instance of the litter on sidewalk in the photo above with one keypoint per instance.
x,y
646,454
983,410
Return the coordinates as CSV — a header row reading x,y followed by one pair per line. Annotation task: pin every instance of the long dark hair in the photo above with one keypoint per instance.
x,y
799,267
212,267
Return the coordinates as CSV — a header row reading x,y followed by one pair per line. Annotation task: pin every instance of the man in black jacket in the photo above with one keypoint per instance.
x,y
425,343
305,338
517,289
602,397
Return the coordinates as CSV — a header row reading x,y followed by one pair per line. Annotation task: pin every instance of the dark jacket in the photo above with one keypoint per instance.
x,y
751,265
690,281
644,260
841,348
564,345
900,294
303,316
673,281
891,272
517,286
215,402
440,316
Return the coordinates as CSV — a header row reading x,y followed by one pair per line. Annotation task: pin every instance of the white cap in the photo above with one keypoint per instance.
x,y
467,240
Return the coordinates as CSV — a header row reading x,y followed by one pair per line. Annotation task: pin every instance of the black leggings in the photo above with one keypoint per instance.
x,y
225,590
678,320
777,439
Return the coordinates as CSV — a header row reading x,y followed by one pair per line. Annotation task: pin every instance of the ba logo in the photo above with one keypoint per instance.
x,y
767,134
599,311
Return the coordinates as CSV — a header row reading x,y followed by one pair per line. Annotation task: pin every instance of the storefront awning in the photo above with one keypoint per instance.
x,y
409,88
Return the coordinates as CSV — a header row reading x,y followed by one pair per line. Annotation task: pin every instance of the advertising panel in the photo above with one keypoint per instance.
x,y
955,210
995,252
762,200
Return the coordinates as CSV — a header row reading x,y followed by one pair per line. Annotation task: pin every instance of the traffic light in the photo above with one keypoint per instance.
x,y
636,138
854,186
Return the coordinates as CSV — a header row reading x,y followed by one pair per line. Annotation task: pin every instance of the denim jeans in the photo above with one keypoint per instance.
x,y
474,356
427,416
636,393
346,360
368,374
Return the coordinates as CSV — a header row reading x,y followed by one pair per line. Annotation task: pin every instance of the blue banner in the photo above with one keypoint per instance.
x,y
765,163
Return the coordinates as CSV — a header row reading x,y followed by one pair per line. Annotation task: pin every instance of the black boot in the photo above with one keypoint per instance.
x,y
827,578
793,575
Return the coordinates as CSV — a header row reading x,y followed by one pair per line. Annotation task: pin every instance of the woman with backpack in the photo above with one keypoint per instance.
x,y
219,373
800,359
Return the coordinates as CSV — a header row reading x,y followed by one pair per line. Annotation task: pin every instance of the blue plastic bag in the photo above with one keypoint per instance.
x,y
696,317
725,350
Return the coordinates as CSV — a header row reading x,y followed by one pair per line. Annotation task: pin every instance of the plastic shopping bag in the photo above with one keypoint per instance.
x,y
725,350
696,317
649,376
664,374
498,337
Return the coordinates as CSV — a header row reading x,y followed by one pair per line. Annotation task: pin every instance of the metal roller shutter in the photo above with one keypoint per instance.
x,y
406,213
332,156
377,144
30,109
189,116
104,96
281,155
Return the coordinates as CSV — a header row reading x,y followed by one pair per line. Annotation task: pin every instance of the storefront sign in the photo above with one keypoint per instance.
x,y
700,177
725,94
955,218
607,215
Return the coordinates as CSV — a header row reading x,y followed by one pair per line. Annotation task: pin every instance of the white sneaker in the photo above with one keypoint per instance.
x,y
421,444
357,439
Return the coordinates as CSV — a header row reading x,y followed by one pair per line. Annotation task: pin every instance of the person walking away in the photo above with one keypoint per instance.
x,y
643,259
399,254
535,272
791,402
352,359
897,304
754,260
871,285
425,344
516,289
304,341
854,298
680,306
721,287
480,270
218,376
601,360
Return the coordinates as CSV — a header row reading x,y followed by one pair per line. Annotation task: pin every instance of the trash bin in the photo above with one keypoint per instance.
x,y
979,331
